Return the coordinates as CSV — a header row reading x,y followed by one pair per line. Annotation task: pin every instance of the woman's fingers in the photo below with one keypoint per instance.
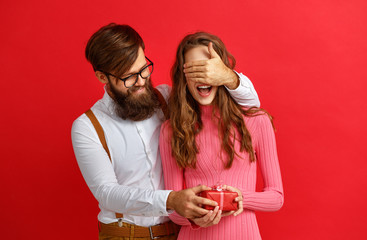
x,y
238,199
215,213
208,216
225,214
240,208
217,218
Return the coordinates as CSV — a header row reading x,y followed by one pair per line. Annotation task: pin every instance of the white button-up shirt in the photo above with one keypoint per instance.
x,y
133,183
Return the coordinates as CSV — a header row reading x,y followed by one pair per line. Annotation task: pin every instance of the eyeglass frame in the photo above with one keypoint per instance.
x,y
137,74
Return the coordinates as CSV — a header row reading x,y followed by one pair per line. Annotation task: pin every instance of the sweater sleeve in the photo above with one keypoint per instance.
x,y
271,198
173,175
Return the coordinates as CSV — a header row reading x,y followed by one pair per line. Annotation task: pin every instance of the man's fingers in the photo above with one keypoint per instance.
x,y
204,201
195,63
195,75
212,52
199,212
199,80
195,69
200,188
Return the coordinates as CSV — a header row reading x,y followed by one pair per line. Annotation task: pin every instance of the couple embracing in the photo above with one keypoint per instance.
x,y
148,154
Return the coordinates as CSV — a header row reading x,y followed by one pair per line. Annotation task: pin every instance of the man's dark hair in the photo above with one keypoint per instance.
x,y
113,48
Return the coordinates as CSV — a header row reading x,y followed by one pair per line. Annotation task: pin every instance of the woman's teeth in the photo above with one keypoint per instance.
x,y
204,89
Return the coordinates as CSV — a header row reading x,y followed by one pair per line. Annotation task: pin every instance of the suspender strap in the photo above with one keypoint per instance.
x,y
163,103
102,138
99,130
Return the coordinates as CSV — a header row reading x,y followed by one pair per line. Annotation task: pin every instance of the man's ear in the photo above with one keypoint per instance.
x,y
101,77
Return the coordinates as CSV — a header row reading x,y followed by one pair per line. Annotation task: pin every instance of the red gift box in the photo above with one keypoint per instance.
x,y
225,199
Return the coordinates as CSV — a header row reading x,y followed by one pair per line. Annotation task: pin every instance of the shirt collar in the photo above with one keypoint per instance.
x,y
108,102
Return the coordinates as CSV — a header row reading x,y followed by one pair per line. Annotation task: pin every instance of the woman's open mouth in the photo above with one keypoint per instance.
x,y
204,90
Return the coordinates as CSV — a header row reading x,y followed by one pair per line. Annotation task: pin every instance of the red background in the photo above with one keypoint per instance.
x,y
306,59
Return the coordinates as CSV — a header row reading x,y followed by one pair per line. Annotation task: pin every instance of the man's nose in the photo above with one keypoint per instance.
x,y
140,82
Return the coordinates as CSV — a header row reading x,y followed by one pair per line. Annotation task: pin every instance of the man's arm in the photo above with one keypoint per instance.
x,y
245,93
100,177
214,72
186,202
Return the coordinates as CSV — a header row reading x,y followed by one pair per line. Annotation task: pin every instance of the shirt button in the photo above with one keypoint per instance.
x,y
140,131
161,212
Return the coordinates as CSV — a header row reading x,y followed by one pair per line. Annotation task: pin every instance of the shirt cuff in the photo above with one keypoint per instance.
x,y
245,94
243,82
160,201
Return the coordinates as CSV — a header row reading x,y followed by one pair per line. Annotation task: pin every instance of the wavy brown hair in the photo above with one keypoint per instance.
x,y
185,114
113,48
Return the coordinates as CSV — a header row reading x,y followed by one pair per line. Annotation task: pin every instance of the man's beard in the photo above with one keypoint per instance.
x,y
135,107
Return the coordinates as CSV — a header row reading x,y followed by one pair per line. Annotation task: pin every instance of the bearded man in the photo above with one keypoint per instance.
x,y
116,141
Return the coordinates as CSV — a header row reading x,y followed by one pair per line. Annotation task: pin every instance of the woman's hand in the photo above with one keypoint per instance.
x,y
210,219
238,199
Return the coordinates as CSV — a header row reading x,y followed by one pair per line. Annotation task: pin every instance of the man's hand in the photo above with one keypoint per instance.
x,y
187,203
212,71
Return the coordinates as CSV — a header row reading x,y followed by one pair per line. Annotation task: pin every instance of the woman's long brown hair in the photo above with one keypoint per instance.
x,y
185,114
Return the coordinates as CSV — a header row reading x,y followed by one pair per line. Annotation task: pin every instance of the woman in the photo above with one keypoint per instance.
x,y
209,139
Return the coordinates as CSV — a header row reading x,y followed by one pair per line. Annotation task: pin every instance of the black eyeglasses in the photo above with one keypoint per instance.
x,y
132,79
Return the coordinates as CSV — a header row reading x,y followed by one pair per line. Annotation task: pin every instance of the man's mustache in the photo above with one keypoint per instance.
x,y
136,88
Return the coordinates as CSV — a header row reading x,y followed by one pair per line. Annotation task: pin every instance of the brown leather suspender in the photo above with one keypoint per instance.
x,y
100,131
102,138
163,103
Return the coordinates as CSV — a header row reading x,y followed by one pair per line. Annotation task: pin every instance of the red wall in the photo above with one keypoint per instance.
x,y
306,58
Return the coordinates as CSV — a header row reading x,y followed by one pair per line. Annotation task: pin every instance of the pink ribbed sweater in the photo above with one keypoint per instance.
x,y
209,170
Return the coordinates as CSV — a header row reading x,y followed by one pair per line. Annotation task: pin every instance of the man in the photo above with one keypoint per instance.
x,y
126,176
